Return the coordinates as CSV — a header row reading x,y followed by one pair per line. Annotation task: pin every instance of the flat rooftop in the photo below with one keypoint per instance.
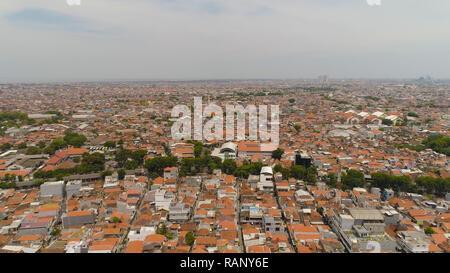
x,y
366,214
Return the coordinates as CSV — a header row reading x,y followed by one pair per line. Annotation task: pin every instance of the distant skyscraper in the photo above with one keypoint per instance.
x,y
323,78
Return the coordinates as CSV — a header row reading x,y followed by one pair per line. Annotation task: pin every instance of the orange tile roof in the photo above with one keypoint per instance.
x,y
78,213
17,173
134,247
76,151
154,238
29,238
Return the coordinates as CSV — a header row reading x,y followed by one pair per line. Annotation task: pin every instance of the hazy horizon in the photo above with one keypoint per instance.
x,y
49,41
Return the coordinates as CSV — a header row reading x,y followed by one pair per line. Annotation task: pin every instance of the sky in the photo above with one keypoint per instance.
x,y
49,40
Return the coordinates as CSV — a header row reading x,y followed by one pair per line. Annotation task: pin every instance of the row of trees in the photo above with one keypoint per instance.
x,y
397,183
7,185
247,169
423,184
355,178
192,166
437,186
70,139
130,159
156,165
15,119
204,162
8,181
438,143
298,172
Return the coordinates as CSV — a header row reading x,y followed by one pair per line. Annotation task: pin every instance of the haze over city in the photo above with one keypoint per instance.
x,y
49,40
225,126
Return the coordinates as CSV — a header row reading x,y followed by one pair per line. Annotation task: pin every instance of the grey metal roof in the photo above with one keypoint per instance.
x,y
366,214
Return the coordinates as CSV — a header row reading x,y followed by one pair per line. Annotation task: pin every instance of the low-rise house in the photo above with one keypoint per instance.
x,y
153,242
73,188
272,222
413,242
266,183
77,218
179,212
51,189
170,173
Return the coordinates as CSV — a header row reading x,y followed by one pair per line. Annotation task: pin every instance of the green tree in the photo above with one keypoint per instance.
x,y
320,210
167,150
131,164
58,143
163,230
438,143
109,144
32,150
56,232
158,164
5,146
121,156
49,150
353,178
74,139
139,156
278,153
229,166
298,172
387,122
429,231
121,174
331,180
311,174
41,144
247,168
22,145
277,168
190,238
106,173
93,162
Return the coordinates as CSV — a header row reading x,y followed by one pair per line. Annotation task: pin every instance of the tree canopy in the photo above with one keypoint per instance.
x,y
278,153
353,178
157,164
74,139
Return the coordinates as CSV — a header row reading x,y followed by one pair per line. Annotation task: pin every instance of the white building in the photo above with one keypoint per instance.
x,y
227,151
163,199
141,234
266,179
413,242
